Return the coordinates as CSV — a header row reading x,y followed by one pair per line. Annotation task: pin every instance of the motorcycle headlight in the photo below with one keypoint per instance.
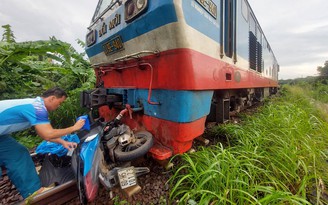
x,y
134,8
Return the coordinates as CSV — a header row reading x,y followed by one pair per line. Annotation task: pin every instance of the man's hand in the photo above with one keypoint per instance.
x,y
78,125
47,132
68,145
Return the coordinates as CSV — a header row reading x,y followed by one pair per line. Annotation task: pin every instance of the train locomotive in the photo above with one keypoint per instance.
x,y
178,64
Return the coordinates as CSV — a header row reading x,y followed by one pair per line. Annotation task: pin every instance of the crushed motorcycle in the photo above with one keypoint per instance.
x,y
104,156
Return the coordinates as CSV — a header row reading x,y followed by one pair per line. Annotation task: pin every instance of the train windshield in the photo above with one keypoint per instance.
x,y
102,7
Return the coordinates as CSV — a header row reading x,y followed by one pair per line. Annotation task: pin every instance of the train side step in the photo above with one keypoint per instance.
x,y
223,110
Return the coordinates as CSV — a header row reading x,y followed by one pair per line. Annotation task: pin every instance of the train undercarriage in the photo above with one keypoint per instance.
x,y
226,102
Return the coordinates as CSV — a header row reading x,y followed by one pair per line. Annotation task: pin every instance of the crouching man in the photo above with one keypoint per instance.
x,y
20,114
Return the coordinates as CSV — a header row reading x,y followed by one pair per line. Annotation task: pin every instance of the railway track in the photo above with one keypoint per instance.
x,y
60,194
57,195
154,190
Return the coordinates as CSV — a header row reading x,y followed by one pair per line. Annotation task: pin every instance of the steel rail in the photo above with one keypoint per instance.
x,y
55,196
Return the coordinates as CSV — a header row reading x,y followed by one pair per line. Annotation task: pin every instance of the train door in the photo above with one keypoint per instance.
x,y
230,29
220,106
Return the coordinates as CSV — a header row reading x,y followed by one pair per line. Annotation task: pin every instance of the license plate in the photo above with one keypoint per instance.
x,y
113,45
127,177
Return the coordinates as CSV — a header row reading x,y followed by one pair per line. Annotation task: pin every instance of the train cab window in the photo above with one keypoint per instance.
x,y
244,10
102,6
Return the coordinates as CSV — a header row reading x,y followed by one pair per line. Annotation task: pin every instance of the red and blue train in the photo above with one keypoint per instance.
x,y
178,64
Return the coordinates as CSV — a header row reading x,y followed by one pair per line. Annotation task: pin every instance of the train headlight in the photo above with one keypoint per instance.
x,y
140,4
134,8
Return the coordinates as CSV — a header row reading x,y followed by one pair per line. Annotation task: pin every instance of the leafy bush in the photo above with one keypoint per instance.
x,y
27,69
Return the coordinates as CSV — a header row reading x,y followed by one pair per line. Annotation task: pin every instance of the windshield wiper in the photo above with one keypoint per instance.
x,y
111,5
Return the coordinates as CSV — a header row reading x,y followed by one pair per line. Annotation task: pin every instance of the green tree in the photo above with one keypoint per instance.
x,y
29,68
323,70
8,34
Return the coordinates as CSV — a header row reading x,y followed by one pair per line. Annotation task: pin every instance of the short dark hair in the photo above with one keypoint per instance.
x,y
56,91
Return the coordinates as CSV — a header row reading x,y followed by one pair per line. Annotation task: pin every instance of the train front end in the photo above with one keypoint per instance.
x,y
140,58
175,62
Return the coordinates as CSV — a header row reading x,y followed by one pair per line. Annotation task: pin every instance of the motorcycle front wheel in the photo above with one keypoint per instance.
x,y
144,141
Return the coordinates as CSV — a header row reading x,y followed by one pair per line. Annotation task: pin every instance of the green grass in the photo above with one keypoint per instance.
x,y
276,156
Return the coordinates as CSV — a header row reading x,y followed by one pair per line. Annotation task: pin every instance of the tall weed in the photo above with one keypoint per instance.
x,y
275,156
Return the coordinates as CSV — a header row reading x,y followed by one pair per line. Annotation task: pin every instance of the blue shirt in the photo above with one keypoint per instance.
x,y
20,114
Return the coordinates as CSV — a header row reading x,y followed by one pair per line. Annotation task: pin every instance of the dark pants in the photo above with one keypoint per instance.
x,y
19,164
